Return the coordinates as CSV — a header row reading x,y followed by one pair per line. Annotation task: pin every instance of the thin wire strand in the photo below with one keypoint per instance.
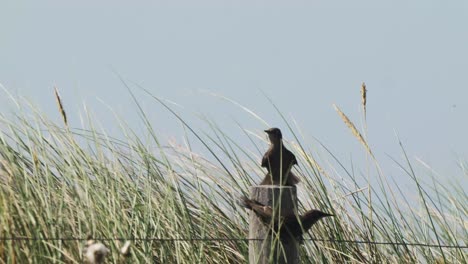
x,y
151,239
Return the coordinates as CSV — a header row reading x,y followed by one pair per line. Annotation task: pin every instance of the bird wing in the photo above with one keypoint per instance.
x,y
291,218
292,179
265,160
293,158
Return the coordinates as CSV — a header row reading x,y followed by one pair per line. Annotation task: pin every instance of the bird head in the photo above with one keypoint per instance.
x,y
316,214
312,216
274,133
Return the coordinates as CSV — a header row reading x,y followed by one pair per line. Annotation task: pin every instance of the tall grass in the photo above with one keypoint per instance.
x,y
60,182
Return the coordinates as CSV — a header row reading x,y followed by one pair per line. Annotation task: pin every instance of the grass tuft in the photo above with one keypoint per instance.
x,y
68,183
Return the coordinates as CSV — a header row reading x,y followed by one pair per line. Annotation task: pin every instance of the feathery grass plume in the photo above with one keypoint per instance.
x,y
60,106
35,159
364,98
354,130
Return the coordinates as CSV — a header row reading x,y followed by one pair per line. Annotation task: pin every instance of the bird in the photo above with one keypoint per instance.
x,y
94,252
278,160
291,224
125,250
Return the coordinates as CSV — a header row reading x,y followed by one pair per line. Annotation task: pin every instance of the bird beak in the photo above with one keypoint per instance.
x,y
267,131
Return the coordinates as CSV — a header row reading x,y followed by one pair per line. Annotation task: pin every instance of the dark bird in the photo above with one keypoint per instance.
x,y
291,224
278,160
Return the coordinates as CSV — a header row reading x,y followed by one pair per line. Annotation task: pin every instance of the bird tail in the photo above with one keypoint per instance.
x,y
248,203
262,211
245,202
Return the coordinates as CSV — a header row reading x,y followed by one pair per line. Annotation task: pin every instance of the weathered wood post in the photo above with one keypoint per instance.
x,y
271,248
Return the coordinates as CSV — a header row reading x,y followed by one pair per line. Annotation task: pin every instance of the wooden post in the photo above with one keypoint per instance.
x,y
270,249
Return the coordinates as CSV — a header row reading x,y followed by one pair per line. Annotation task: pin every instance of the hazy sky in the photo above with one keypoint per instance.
x,y
305,55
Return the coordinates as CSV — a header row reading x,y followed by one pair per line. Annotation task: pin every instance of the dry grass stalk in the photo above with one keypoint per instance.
x,y
3,172
354,130
35,159
60,106
311,160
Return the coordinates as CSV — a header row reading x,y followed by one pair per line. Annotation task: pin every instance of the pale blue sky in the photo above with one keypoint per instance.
x,y
306,55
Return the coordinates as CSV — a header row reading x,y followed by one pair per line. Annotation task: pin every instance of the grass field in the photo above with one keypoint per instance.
x,y
61,182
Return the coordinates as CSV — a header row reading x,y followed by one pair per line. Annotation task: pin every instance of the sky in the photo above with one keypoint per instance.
x,y
303,55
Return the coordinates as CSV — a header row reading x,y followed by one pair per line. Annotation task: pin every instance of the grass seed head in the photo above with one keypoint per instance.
x,y
364,98
353,129
60,107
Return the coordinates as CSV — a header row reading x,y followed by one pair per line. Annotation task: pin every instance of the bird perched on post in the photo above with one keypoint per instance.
x,y
278,160
291,224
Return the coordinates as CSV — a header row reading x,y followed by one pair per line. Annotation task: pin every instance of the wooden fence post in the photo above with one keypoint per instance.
x,y
271,248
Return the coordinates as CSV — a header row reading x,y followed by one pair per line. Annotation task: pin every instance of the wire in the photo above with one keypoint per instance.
x,y
154,239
